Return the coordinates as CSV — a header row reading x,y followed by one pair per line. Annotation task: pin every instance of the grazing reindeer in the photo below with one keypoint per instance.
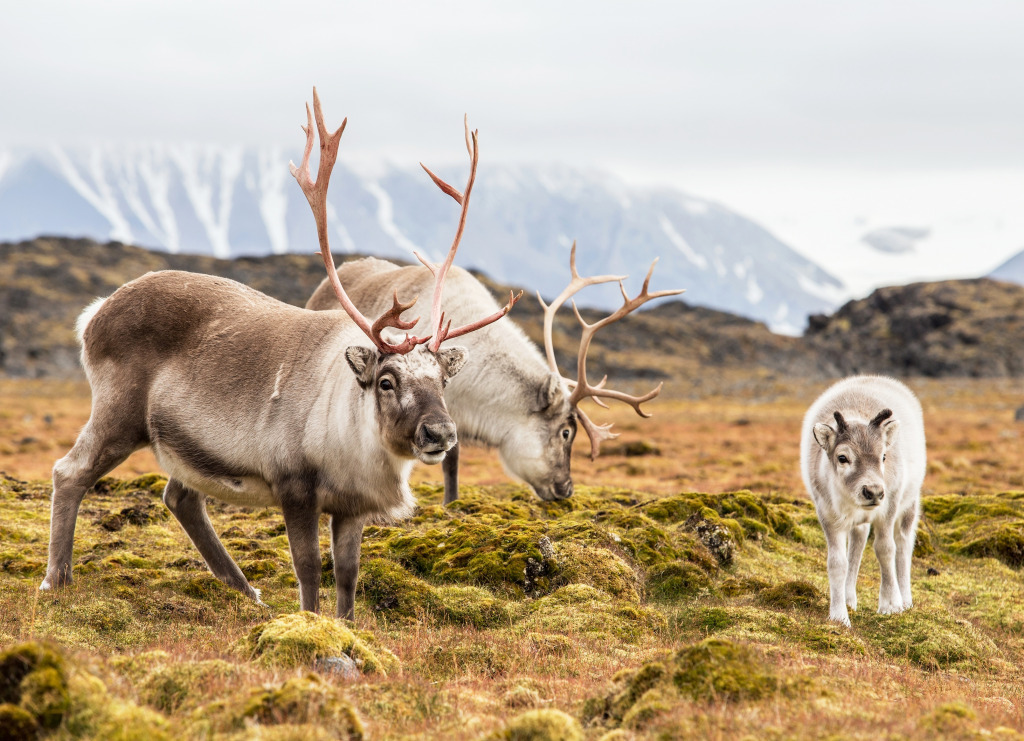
x,y
249,400
507,396
862,454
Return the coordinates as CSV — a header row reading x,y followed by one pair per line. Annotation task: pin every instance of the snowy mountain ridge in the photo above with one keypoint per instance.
x,y
229,201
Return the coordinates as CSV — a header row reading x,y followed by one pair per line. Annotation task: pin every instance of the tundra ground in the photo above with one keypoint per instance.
x,y
681,593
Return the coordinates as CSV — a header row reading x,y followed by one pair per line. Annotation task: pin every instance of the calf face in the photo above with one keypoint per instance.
x,y
856,451
409,394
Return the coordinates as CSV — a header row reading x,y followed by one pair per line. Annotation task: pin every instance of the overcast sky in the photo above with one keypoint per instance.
x,y
749,101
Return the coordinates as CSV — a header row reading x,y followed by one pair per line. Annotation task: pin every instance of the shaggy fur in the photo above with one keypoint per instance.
x,y
506,397
862,455
257,403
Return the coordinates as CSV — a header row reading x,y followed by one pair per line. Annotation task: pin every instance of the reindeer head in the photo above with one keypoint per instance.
x,y
406,379
540,453
544,460
856,451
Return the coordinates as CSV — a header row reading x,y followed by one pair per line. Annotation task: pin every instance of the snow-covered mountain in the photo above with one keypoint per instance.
x,y
230,202
1011,270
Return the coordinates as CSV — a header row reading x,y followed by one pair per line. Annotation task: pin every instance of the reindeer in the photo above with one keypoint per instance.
x,y
509,395
257,403
862,455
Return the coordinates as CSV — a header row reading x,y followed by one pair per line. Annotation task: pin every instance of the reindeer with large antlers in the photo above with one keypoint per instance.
x,y
258,403
507,397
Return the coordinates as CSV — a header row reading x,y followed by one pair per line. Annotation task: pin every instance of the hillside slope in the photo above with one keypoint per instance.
x,y
45,283
948,328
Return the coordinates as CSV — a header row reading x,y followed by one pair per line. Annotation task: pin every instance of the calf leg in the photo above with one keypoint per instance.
x,y
346,539
858,537
302,523
91,457
189,508
450,467
837,569
906,534
889,599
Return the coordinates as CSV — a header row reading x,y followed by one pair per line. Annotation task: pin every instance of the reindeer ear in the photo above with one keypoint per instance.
x,y
363,361
825,436
889,429
550,392
452,359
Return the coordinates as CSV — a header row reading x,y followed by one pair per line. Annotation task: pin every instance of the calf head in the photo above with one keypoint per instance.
x,y
408,393
540,453
856,451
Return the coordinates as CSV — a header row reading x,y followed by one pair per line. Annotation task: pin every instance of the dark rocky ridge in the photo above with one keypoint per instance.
x,y
969,328
951,328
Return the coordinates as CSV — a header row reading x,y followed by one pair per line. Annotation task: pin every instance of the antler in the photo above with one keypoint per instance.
x,y
441,330
582,388
316,194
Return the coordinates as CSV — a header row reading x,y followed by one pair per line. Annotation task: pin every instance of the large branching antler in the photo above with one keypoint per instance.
x,y
582,388
441,330
316,194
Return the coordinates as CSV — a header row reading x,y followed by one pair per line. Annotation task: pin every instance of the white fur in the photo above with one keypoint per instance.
x,y
844,520
85,317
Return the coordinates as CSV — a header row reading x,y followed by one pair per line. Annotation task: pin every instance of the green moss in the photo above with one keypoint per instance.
x,y
929,639
300,638
304,700
21,660
17,724
677,580
596,567
44,694
980,526
950,720
169,686
716,669
712,670
792,594
94,713
258,568
459,656
540,725
579,609
393,591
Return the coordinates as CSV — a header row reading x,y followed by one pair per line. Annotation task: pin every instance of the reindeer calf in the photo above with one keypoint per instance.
x,y
862,455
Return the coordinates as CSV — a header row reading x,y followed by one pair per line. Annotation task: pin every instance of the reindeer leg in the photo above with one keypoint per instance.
x,y
302,523
91,457
346,539
450,467
906,534
858,537
189,508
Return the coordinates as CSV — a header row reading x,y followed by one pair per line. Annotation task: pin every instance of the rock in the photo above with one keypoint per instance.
x,y
341,666
1018,416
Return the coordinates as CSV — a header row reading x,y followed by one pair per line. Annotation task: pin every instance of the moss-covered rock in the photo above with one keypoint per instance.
x,y
981,526
303,700
676,580
302,637
540,725
578,609
712,670
791,594
596,567
17,724
715,669
33,678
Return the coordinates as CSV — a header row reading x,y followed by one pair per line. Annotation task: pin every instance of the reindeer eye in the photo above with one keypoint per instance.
x,y
386,385
883,456
843,459
565,433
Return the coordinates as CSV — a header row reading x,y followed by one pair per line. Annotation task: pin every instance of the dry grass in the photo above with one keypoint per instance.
x,y
139,589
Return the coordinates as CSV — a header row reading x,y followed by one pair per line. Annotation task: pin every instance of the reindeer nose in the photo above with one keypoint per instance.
x,y
872,494
437,436
563,490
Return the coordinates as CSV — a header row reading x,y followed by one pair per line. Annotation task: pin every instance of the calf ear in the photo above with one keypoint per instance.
x,y
363,361
825,436
452,359
550,392
889,429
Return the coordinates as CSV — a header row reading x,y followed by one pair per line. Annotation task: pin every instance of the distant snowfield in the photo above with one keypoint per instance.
x,y
974,219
